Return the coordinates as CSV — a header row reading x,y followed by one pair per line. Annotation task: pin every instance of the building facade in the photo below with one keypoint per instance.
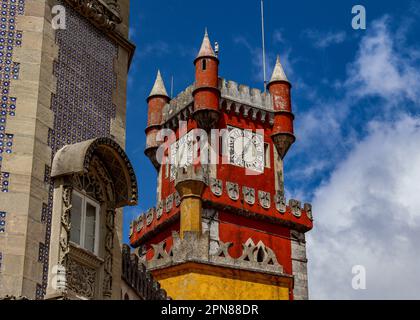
x,y
64,175
222,228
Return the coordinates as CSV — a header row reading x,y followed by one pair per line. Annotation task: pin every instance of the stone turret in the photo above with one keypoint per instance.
x,y
157,99
206,92
279,88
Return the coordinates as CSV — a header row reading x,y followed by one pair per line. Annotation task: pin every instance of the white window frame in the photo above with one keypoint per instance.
x,y
96,205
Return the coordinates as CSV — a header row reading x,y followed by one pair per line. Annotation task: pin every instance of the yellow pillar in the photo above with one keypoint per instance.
x,y
190,186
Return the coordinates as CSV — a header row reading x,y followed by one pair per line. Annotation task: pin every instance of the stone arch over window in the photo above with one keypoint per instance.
x,y
92,174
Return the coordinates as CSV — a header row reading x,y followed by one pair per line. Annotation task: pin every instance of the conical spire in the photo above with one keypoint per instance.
x,y
159,87
278,73
206,49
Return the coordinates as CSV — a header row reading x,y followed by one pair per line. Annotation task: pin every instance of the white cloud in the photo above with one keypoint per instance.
x,y
323,40
381,69
368,214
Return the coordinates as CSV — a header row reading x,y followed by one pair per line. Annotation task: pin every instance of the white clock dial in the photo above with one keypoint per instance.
x,y
181,153
235,147
253,151
246,149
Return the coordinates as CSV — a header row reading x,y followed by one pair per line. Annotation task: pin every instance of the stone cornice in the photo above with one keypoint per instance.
x,y
104,14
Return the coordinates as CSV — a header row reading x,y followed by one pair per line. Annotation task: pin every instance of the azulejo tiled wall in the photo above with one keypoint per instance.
x,y
83,104
10,38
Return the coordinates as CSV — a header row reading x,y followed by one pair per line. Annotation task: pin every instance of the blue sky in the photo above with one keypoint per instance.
x,y
356,99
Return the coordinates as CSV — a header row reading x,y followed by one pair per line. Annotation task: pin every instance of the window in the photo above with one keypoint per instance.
x,y
204,67
84,222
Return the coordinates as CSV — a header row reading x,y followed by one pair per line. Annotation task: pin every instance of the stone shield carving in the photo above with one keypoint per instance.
x,y
265,199
150,216
140,223
295,208
308,209
159,209
280,201
233,190
169,203
249,195
216,186
177,199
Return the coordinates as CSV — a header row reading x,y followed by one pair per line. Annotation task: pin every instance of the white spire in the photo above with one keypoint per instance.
x,y
206,49
278,73
159,87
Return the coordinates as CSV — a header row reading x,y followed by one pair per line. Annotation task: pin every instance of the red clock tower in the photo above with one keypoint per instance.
x,y
223,229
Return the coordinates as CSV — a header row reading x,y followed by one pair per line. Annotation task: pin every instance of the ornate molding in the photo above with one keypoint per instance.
x,y
109,247
81,279
105,14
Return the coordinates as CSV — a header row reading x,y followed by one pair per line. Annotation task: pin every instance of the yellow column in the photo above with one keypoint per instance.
x,y
190,186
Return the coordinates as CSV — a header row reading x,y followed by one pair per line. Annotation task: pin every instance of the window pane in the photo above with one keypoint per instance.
x,y
76,218
90,227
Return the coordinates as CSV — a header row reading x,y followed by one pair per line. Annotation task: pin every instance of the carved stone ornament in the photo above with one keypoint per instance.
x,y
308,209
140,223
109,247
295,208
105,14
265,199
258,255
169,203
177,199
159,251
159,209
280,201
216,186
65,225
249,195
233,190
150,215
81,279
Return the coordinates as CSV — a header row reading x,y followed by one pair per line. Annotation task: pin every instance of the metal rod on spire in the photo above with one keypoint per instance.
x,y
263,44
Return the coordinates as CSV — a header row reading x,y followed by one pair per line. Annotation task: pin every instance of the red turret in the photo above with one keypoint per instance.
x,y
157,99
206,93
279,88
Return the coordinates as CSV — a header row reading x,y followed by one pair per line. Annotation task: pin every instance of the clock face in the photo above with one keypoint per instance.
x,y
253,151
181,153
246,149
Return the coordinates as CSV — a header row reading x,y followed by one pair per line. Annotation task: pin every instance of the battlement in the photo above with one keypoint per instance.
x,y
245,95
253,99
